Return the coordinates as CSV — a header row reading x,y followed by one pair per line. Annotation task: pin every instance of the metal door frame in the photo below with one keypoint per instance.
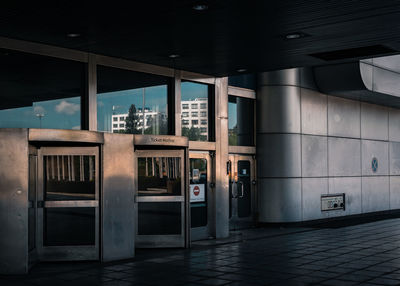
x,y
204,232
171,240
70,252
246,221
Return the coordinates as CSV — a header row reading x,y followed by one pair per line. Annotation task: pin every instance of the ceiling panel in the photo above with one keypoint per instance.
x,y
228,36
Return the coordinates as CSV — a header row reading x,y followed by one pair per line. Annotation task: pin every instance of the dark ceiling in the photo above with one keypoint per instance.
x,y
229,35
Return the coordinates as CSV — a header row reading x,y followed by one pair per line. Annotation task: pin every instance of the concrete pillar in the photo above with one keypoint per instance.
x,y
221,142
279,146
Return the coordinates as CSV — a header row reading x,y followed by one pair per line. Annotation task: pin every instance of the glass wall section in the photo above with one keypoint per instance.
x,y
196,111
243,81
241,121
131,102
39,91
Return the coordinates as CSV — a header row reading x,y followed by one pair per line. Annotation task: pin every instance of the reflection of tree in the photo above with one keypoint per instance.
x,y
232,133
153,128
131,121
193,134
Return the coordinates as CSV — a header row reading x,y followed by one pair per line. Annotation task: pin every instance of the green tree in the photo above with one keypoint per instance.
x,y
232,136
159,127
193,134
131,121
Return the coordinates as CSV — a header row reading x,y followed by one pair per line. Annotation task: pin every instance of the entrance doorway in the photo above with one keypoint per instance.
x,y
242,191
160,198
201,195
67,203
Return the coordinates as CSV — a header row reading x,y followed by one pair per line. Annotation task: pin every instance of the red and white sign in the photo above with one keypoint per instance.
x,y
197,193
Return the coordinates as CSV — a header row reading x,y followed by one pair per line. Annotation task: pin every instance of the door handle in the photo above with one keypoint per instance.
x,y
235,190
242,189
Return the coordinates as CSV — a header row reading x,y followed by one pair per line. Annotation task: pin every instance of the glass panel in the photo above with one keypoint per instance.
x,y
159,176
198,192
244,194
31,228
32,202
159,218
241,121
243,80
195,95
69,177
131,102
69,226
40,92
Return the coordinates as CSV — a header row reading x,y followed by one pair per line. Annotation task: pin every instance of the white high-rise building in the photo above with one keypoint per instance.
x,y
118,120
195,114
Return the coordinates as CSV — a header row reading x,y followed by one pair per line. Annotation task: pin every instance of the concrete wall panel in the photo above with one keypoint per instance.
x,y
375,194
351,186
374,149
314,156
278,109
374,122
14,172
279,200
280,77
394,124
343,117
344,157
312,189
394,158
118,197
314,110
279,155
394,192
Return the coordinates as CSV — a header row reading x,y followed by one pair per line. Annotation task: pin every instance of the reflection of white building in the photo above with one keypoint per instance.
x,y
195,114
149,118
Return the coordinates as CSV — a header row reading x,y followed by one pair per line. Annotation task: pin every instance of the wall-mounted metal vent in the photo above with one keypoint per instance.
x,y
330,202
361,52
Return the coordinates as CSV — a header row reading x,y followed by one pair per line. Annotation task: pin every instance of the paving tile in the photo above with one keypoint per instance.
x,y
334,282
360,254
384,281
214,281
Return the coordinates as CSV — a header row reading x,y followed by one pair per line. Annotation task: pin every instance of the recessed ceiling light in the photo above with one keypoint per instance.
x,y
73,35
241,70
173,56
200,7
292,36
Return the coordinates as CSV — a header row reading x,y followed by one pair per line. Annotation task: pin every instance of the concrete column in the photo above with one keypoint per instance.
x,y
221,142
279,146
14,175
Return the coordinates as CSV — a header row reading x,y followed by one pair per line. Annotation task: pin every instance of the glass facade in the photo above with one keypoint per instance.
x,y
69,178
241,121
39,91
136,102
159,176
198,192
195,95
243,81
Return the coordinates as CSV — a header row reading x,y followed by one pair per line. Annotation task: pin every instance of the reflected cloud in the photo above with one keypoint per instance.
x,y
38,109
67,107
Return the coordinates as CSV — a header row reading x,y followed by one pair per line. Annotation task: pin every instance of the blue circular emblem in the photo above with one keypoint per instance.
x,y
374,164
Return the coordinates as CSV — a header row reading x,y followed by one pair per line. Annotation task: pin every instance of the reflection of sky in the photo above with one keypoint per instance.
x,y
232,115
191,90
119,102
55,114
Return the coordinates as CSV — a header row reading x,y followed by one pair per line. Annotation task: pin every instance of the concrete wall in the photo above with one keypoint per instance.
x,y
309,144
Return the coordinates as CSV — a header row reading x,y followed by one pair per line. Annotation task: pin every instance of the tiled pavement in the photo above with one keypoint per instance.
x,y
365,254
